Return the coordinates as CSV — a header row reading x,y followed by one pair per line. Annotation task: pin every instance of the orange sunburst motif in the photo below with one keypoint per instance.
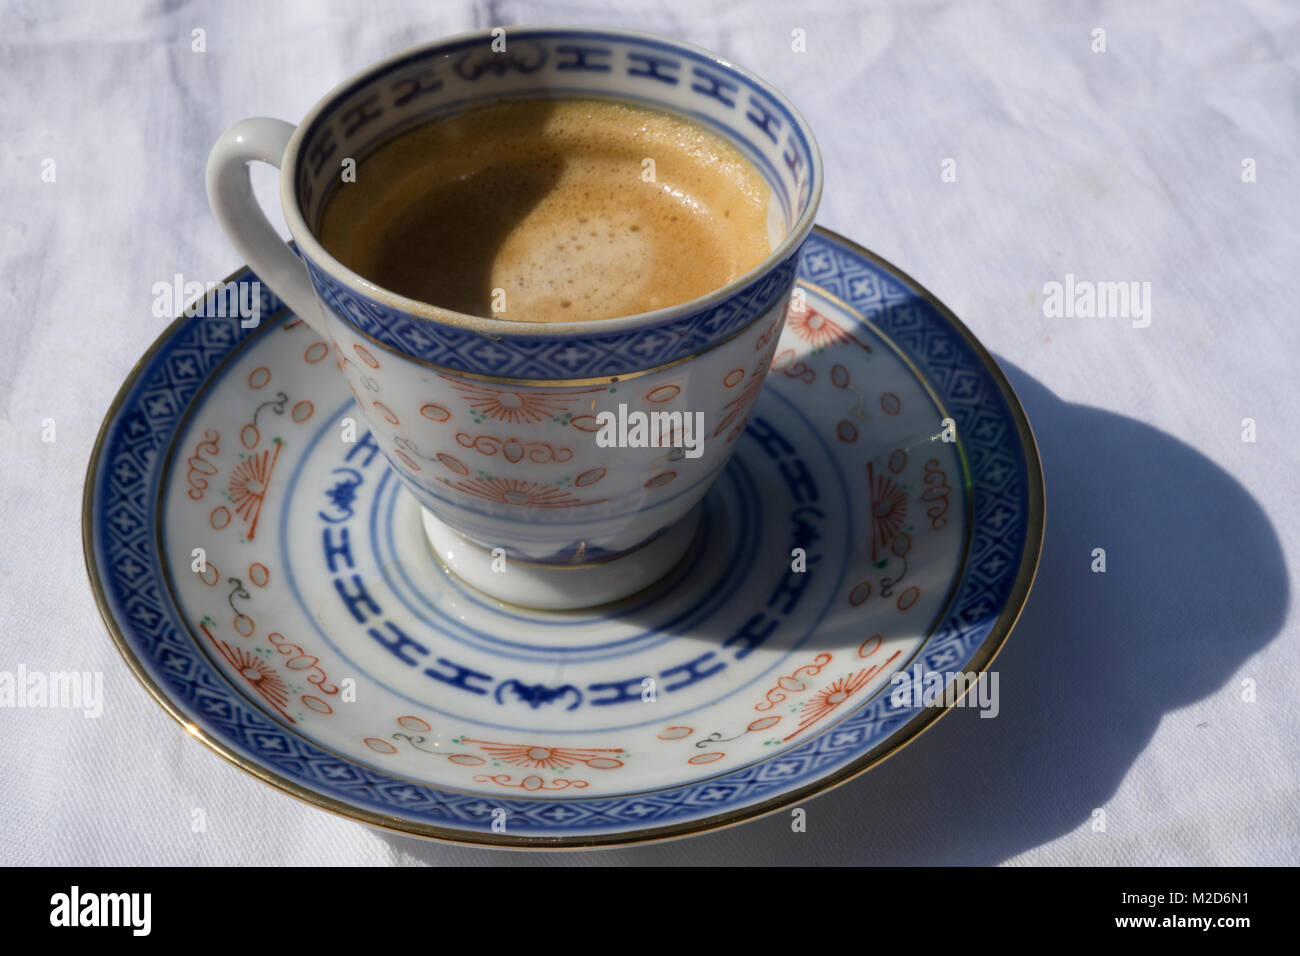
x,y
739,408
742,404
888,510
515,406
550,758
513,491
263,678
819,331
258,673
830,698
248,483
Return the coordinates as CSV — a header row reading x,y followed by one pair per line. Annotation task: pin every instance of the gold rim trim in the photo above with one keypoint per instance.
x,y
1035,512
668,578
556,567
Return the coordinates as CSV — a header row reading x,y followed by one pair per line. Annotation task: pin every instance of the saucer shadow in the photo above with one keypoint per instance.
x,y
1195,583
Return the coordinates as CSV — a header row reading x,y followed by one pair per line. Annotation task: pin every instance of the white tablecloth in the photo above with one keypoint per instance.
x,y
1123,694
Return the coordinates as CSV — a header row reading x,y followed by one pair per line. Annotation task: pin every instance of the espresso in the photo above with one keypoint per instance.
x,y
551,211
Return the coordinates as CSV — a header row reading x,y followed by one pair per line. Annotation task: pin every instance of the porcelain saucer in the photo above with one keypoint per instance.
x,y
270,582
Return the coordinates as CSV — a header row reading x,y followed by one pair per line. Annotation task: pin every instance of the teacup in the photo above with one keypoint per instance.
x,y
502,429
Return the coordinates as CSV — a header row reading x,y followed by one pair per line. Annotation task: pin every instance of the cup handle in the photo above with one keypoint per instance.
x,y
230,194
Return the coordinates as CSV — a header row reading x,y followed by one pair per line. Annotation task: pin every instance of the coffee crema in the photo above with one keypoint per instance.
x,y
552,211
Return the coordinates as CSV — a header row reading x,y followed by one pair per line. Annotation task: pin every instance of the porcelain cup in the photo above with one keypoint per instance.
x,y
559,465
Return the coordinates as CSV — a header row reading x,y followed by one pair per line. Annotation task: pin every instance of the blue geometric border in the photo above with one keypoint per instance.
x,y
591,355
126,573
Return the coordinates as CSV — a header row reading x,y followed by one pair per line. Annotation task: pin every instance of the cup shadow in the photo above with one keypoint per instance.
x,y
1094,664
442,246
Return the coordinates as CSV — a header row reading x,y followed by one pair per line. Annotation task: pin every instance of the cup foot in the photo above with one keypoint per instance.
x,y
561,587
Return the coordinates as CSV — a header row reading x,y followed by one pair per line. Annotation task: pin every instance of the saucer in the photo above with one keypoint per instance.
x,y
270,582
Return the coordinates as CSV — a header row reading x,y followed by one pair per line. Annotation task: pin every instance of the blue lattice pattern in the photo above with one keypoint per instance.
x,y
526,356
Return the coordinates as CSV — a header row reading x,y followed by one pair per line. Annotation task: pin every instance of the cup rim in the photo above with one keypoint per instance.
x,y
310,247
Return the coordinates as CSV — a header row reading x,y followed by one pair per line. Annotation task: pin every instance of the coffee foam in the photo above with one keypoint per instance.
x,y
548,202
